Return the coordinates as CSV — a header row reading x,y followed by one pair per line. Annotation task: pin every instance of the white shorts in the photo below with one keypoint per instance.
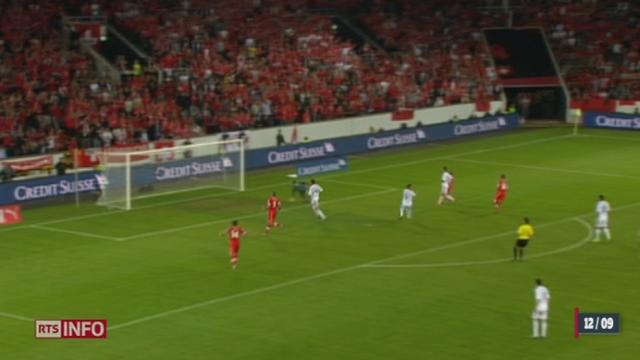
x,y
540,315
445,189
315,202
603,221
406,205
541,312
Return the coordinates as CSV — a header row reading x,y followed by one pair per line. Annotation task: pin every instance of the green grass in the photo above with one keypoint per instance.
x,y
308,291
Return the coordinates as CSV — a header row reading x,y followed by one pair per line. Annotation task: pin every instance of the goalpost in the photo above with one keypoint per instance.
x,y
132,175
575,118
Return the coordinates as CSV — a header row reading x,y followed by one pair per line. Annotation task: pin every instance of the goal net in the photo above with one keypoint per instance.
x,y
132,175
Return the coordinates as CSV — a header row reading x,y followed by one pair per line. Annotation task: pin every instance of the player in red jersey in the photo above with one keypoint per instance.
x,y
273,206
501,193
235,232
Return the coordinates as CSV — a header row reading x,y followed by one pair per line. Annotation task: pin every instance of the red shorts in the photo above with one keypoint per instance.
x,y
273,214
234,247
501,196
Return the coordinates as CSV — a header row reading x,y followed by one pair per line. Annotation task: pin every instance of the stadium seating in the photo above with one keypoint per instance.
x,y
596,45
444,43
236,64
36,77
225,67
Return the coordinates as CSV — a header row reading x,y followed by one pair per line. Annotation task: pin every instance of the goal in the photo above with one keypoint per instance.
x,y
133,175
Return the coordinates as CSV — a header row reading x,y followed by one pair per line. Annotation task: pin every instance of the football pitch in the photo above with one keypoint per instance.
x,y
360,285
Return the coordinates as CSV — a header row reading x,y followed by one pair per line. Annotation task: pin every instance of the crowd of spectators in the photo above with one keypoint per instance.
x,y
596,44
215,66
250,63
236,64
52,98
441,41
36,76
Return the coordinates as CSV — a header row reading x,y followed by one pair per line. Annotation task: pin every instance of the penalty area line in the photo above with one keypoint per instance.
x,y
446,157
320,276
545,168
267,186
617,138
72,232
111,211
571,247
372,186
248,216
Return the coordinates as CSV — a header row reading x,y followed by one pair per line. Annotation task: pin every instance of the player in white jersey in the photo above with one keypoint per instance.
x,y
407,202
541,311
314,195
602,221
446,179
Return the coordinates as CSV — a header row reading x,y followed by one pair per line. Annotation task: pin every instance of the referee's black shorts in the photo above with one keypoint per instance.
x,y
522,243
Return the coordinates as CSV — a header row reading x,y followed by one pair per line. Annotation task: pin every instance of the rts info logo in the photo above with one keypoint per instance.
x,y
71,329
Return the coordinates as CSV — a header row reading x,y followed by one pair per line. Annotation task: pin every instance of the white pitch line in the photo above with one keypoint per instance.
x,y
544,168
166,203
364,184
488,237
609,137
408,163
448,157
231,297
114,212
15,317
584,241
207,223
72,232
461,243
321,275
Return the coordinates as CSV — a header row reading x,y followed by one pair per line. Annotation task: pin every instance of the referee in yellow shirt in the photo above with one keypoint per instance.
x,y
525,232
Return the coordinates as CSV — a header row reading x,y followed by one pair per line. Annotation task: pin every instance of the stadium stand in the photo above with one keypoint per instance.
x,y
237,64
596,45
278,64
37,73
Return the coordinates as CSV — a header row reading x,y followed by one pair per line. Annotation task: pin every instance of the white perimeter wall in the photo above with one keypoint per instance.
x,y
625,109
263,138
628,109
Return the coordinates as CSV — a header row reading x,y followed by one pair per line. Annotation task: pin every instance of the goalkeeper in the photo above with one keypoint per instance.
x,y
299,189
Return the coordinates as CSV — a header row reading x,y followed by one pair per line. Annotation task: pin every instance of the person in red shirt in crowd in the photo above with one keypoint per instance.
x,y
235,232
273,206
501,193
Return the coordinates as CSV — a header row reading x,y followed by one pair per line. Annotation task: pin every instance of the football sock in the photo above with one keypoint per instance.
x,y
536,332
607,233
543,327
598,232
